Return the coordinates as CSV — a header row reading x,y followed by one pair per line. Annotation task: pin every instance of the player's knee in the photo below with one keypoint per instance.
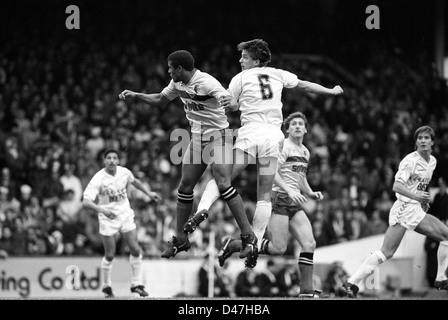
x,y
186,186
223,184
309,245
277,249
109,256
443,234
265,196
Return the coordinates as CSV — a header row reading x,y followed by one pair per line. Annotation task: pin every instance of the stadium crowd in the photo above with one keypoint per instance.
x,y
59,109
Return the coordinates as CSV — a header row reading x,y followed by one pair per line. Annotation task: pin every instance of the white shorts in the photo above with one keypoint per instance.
x,y
260,140
122,223
406,214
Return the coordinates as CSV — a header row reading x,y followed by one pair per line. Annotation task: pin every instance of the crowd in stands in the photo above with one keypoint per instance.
x,y
59,109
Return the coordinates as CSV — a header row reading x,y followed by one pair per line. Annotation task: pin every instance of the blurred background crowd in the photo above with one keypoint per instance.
x,y
59,109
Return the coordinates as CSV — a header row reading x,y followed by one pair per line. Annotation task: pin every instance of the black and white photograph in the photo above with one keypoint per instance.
x,y
224,158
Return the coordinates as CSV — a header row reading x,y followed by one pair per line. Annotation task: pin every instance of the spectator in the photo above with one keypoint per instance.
x,y
338,227
70,181
266,280
245,284
222,282
288,279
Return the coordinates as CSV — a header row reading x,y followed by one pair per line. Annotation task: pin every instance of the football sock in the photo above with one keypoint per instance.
x,y
106,269
261,218
442,261
264,247
184,208
367,267
236,206
306,267
136,266
209,196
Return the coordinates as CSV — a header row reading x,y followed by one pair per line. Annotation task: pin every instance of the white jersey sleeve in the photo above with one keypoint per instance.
x,y
170,92
93,187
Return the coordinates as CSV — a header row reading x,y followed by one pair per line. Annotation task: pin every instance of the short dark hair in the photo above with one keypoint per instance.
x,y
427,129
182,58
293,115
258,49
105,153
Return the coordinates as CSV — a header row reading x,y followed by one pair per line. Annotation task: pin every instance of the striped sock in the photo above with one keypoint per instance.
x,y
184,208
264,247
106,269
306,268
236,206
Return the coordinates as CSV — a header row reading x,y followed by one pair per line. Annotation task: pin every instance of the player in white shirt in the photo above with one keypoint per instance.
x,y
200,93
290,191
258,92
409,213
106,194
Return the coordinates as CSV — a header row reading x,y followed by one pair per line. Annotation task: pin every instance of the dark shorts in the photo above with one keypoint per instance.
x,y
283,205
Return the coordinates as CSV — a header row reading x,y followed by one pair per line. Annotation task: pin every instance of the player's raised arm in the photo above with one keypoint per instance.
x,y
153,99
312,87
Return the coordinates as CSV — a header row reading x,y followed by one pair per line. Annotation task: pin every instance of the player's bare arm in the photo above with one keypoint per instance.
x,y
307,191
316,88
154,99
229,103
87,203
296,196
400,188
152,195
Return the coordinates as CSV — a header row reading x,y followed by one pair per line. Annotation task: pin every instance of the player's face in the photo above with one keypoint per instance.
x,y
247,62
174,72
111,161
424,142
297,128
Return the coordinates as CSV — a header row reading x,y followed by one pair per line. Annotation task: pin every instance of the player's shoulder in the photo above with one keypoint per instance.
x,y
122,170
98,175
411,157
306,150
204,79
203,76
432,160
